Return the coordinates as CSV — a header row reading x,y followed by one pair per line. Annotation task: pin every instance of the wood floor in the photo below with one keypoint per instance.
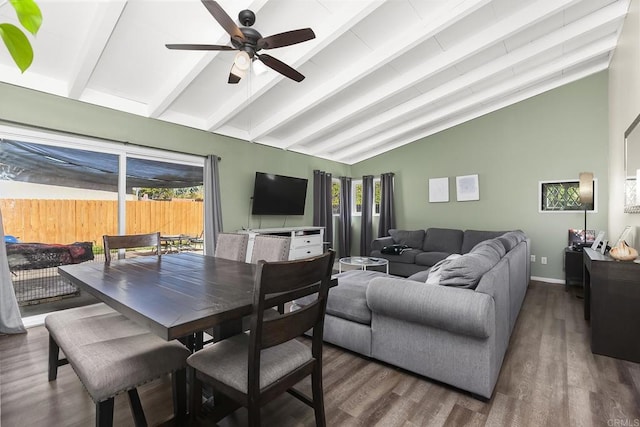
x,y
549,378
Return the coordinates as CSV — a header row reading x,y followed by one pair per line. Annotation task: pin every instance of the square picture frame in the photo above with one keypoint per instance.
x,y
467,188
439,190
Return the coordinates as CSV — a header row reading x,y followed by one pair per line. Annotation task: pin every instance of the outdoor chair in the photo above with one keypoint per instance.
x,y
198,241
255,367
112,354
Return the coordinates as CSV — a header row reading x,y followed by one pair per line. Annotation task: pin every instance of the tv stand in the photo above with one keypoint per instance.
x,y
305,241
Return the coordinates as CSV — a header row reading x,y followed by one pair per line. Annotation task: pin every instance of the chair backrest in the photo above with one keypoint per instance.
x,y
289,280
232,246
270,248
130,241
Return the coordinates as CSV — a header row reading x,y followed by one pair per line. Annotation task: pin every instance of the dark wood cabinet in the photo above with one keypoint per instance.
x,y
572,268
612,304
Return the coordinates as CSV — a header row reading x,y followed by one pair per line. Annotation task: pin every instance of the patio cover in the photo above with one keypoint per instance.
x,y
69,167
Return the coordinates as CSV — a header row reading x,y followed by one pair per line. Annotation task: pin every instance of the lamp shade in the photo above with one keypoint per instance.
x,y
586,187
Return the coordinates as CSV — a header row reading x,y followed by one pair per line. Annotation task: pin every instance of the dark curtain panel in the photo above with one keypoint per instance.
x,y
212,206
387,213
366,228
344,233
322,211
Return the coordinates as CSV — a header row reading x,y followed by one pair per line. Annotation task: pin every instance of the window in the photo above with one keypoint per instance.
x,y
564,196
335,196
356,200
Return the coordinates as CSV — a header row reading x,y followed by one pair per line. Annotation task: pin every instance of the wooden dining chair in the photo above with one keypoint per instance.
x,y
131,241
255,367
232,246
112,354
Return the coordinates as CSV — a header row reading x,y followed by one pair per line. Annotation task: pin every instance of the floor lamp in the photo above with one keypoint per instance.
x,y
586,196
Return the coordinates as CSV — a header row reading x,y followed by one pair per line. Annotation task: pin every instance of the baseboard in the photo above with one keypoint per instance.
x,y
548,280
33,321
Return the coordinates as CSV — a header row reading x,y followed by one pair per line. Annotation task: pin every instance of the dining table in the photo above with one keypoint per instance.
x,y
175,296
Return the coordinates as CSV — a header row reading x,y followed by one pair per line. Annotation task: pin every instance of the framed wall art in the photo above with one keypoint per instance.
x,y
438,190
467,188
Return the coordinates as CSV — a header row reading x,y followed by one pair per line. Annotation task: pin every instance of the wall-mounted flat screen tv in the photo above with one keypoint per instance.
x,y
278,195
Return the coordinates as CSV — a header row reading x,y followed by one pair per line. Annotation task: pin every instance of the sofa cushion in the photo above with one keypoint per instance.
x,y
408,256
348,299
473,237
466,271
430,258
494,244
443,240
420,276
511,239
509,242
413,239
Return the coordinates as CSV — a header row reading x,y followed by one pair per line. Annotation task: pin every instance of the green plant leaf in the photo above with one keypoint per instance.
x,y
29,14
18,45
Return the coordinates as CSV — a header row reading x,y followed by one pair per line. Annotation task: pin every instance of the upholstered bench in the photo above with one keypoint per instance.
x,y
112,354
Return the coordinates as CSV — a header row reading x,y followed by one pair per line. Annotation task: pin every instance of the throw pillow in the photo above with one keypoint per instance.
x,y
435,272
412,239
466,271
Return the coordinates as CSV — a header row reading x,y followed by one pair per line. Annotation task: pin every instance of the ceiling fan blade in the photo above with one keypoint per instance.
x,y
286,39
199,47
223,19
235,74
280,67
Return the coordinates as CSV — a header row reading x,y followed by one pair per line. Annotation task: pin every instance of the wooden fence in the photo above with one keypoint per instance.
x,y
68,221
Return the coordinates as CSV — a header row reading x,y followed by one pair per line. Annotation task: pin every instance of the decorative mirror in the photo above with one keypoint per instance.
x,y
632,167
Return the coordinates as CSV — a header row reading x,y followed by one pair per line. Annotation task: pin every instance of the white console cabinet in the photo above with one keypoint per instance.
x,y
305,241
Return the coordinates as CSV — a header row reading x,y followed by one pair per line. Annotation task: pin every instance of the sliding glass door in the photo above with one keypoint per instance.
x,y
60,194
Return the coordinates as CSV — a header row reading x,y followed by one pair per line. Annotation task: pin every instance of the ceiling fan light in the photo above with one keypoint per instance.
x,y
258,67
242,61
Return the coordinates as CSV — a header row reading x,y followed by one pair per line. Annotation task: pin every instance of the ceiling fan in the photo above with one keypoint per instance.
x,y
248,42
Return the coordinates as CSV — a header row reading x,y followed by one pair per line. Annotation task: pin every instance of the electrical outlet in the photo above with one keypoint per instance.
x,y
543,260
533,258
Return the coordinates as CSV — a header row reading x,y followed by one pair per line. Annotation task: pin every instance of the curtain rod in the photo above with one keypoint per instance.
x,y
13,122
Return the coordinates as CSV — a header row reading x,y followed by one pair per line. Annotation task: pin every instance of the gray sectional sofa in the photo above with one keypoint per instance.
x,y
454,329
426,248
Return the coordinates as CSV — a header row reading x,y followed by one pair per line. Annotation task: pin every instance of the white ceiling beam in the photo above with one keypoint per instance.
x,y
189,71
503,89
334,30
518,97
106,18
11,74
398,114
358,69
116,102
503,29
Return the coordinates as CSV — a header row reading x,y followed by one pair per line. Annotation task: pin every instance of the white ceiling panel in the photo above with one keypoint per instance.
x,y
378,74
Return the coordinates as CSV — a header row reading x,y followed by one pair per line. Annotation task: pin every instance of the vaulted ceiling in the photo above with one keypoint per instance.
x,y
379,74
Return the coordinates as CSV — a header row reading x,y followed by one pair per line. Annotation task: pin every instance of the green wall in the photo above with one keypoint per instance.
x,y
240,159
553,136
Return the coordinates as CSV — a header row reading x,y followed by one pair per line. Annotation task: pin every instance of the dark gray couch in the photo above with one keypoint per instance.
x,y
427,247
456,333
